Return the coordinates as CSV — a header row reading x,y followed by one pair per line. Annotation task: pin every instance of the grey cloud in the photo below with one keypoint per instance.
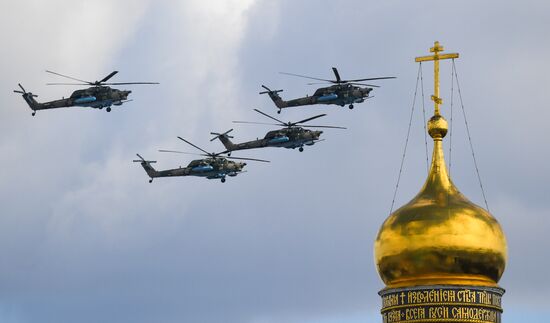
x,y
85,238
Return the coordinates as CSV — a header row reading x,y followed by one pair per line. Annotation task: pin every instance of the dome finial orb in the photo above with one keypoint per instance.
x,y
437,127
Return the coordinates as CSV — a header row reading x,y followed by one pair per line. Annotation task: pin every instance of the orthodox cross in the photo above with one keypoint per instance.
x,y
436,57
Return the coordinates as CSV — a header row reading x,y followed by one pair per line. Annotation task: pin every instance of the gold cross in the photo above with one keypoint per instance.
x,y
436,57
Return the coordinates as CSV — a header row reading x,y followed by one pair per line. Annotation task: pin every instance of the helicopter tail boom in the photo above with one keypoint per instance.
x,y
29,98
224,138
146,164
275,97
149,169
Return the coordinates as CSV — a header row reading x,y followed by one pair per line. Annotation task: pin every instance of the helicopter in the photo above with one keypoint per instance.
x,y
343,92
212,167
291,136
98,96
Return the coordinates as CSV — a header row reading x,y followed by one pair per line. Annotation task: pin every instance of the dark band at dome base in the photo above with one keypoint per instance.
x,y
442,303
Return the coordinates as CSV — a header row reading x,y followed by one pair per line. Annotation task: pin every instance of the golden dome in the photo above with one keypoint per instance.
x,y
440,237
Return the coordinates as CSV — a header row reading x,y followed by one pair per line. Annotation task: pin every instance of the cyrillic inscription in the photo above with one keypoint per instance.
x,y
442,303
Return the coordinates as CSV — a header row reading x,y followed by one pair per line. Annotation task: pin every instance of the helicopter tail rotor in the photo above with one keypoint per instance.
x,y
24,92
225,139
275,97
269,91
142,160
218,135
29,98
146,164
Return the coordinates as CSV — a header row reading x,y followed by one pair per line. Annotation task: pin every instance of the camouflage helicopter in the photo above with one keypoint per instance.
x,y
291,136
343,92
212,167
98,96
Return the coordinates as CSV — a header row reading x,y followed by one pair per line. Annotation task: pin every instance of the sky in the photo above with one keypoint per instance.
x,y
85,238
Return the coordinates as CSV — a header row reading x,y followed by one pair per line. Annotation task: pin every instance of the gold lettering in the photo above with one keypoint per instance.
x,y
390,300
394,316
460,313
466,296
438,312
402,298
497,300
484,297
411,297
480,314
454,313
452,296
415,314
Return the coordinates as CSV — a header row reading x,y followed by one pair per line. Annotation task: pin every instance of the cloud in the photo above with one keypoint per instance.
x,y
85,238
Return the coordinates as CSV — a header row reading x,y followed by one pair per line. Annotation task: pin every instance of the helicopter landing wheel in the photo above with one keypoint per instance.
x,y
108,109
351,106
301,149
151,180
279,112
223,179
33,113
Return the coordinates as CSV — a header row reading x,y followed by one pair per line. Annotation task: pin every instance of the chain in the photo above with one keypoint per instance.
x,y
407,139
425,124
470,138
451,119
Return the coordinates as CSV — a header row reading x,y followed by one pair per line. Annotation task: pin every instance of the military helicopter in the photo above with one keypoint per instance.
x,y
98,96
343,92
212,167
291,136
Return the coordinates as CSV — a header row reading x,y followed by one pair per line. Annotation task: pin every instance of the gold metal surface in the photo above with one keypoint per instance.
x,y
440,237
436,57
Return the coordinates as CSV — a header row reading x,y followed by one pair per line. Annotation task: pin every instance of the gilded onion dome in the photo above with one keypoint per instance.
x,y
440,237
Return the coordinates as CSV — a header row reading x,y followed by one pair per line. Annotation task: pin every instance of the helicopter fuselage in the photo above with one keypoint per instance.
x,y
340,94
98,97
211,168
94,97
294,137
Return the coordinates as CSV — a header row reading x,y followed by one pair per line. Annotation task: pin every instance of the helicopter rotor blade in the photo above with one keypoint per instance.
x,y
106,78
242,158
142,160
317,83
364,84
262,123
338,79
69,77
80,84
199,148
180,152
332,127
308,119
267,115
217,135
22,88
370,79
25,92
126,83
307,77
